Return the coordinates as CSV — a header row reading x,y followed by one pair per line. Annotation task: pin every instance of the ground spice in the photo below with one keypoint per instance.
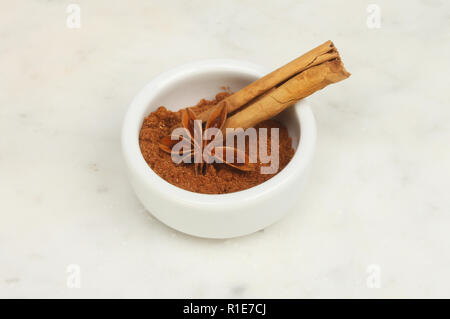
x,y
219,178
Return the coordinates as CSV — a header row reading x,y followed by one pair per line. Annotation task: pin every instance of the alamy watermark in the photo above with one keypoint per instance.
x,y
73,20
373,276
74,276
373,16
210,146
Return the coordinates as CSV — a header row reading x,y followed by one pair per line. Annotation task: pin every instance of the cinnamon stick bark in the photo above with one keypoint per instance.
x,y
300,86
317,56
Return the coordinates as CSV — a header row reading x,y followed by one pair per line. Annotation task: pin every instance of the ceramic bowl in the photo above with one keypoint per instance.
x,y
224,215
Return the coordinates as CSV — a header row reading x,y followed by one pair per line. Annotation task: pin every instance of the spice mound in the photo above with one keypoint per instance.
x,y
218,178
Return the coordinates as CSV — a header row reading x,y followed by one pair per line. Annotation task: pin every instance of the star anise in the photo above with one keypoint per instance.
x,y
204,146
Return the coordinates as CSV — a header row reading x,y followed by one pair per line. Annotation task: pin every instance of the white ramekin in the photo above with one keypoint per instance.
x,y
215,216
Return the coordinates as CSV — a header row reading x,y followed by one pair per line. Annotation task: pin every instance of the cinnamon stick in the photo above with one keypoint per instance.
x,y
300,86
317,56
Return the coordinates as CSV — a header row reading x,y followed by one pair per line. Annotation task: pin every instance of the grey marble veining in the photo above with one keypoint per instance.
x,y
376,209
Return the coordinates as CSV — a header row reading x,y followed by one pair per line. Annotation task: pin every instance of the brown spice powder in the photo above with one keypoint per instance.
x,y
219,178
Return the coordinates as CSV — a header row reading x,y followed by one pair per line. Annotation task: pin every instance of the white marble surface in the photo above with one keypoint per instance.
x,y
378,194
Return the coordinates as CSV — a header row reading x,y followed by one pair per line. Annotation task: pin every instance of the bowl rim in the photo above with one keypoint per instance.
x,y
135,160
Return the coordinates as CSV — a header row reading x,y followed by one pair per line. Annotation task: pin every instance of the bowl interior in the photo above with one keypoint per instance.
x,y
189,87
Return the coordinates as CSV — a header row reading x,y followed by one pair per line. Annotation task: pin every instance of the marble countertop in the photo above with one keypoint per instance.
x,y
373,221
